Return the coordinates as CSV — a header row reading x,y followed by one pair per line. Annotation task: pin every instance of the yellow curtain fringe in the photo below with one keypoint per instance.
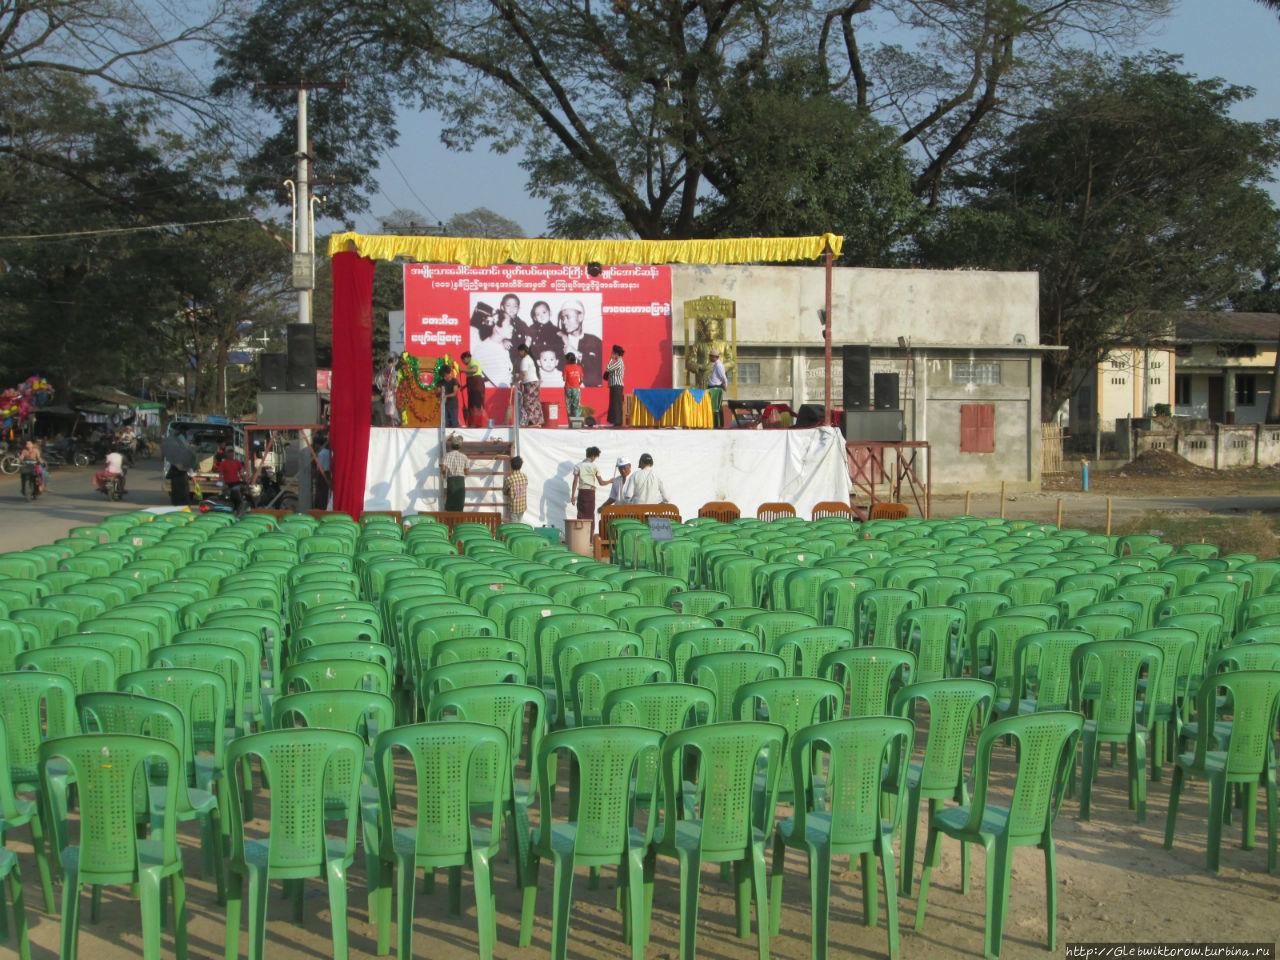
x,y
475,252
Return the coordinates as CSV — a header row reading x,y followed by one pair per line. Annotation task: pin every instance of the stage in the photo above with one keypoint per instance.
x,y
747,467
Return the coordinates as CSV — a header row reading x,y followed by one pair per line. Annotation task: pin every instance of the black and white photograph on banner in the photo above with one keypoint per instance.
x,y
552,325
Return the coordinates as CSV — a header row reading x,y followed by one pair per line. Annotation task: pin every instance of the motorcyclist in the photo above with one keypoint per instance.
x,y
32,452
114,467
231,470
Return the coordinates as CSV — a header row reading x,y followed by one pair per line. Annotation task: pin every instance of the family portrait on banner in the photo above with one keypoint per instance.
x,y
552,325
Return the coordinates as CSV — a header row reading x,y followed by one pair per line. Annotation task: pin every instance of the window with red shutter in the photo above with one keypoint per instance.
x,y
977,428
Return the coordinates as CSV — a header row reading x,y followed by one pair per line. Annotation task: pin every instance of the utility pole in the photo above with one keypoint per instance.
x,y
304,271
303,222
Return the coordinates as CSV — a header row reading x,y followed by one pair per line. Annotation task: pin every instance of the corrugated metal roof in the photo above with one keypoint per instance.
x,y
1204,327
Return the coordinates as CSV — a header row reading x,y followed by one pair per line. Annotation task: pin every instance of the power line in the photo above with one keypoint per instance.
x,y
93,233
423,203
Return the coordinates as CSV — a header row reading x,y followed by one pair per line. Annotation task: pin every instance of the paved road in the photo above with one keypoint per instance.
x,y
71,501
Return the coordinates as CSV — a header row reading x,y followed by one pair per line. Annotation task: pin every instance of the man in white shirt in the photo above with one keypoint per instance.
x,y
114,467
620,475
645,486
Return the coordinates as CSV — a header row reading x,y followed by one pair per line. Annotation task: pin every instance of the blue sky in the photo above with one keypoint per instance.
x,y
1233,39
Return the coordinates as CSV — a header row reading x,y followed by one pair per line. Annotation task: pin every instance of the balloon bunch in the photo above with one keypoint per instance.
x,y
16,403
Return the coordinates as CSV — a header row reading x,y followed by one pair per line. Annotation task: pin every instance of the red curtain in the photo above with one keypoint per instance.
x,y
349,401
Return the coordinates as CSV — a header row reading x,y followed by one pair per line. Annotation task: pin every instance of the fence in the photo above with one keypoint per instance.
x,y
1051,436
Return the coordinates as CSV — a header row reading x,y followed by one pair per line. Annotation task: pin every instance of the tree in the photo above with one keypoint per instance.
x,y
619,106
1134,192
482,222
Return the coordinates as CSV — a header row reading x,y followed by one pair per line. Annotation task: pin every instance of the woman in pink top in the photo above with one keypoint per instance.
x,y
572,385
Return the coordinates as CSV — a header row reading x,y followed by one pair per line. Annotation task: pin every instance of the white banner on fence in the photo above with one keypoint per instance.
x,y
746,467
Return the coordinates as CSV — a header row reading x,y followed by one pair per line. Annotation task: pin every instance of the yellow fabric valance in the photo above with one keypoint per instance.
x,y
477,252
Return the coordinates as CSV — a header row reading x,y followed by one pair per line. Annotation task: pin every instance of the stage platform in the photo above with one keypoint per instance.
x,y
747,467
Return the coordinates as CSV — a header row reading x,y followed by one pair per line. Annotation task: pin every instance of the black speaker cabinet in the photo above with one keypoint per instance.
x,y
857,377
271,372
301,372
886,391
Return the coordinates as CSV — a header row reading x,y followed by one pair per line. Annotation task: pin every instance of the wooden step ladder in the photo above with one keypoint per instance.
x,y
490,464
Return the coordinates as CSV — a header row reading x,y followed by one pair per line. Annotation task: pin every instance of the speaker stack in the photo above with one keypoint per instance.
x,y
287,381
857,378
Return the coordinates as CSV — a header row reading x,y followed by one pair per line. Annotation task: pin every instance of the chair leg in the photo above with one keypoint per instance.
x,y
258,885
999,862
1138,774
1051,891
1249,821
890,897
70,913
1217,801
149,894
235,896
761,889
179,884
870,895
527,878
19,913
562,897
930,851
742,897
775,882
337,877
42,861
690,875
911,814
406,881
1171,818
1269,780
1088,770
636,915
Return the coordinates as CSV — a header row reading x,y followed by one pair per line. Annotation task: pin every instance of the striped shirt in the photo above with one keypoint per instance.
x,y
614,370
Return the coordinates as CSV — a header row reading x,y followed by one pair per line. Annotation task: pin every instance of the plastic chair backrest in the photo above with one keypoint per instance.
x,y
1116,666
38,706
1043,661
869,674
1252,699
956,708
728,804
802,650
361,712
1045,750
859,798
592,680
503,705
124,650
934,635
727,672
311,771
701,640
607,759
88,668
109,771
201,695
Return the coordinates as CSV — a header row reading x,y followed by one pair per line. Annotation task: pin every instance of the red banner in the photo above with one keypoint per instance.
x,y
554,309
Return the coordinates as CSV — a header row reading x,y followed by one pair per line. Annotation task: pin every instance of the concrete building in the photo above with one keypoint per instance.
x,y
1224,366
968,378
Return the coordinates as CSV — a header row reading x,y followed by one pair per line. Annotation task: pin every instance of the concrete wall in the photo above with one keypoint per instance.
x,y
1220,447
949,317
779,305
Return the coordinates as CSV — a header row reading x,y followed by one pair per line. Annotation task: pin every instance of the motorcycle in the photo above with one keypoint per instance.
x,y
113,486
268,494
63,452
29,470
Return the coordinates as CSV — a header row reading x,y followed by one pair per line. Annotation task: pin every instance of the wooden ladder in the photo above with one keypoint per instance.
x,y
490,463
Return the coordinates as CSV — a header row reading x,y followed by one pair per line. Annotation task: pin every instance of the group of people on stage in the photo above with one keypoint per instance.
x,y
467,382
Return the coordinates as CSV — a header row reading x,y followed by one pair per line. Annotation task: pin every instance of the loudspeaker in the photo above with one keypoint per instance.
x,y
271,371
301,372
875,425
857,377
886,391
288,409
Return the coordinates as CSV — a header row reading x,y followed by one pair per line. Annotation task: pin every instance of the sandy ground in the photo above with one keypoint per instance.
x,y
1115,881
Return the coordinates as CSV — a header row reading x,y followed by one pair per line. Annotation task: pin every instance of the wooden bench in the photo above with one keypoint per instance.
x,y
451,518
603,541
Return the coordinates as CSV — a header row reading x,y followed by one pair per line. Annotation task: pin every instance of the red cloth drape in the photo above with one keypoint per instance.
x,y
349,406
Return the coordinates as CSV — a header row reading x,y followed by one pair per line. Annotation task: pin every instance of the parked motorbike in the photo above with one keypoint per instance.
x,y
65,451
268,494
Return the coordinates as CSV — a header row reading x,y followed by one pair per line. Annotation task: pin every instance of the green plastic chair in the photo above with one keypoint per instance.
x,y
727,819
49,624
9,869
802,650
991,654
600,829
467,648
125,651
577,648
313,772
956,708
334,674
792,703
933,634
128,713
108,770
466,673
772,625
228,661
857,818
1101,626
702,640
1252,697
1046,748
869,676
656,631
87,668
1118,716
443,757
